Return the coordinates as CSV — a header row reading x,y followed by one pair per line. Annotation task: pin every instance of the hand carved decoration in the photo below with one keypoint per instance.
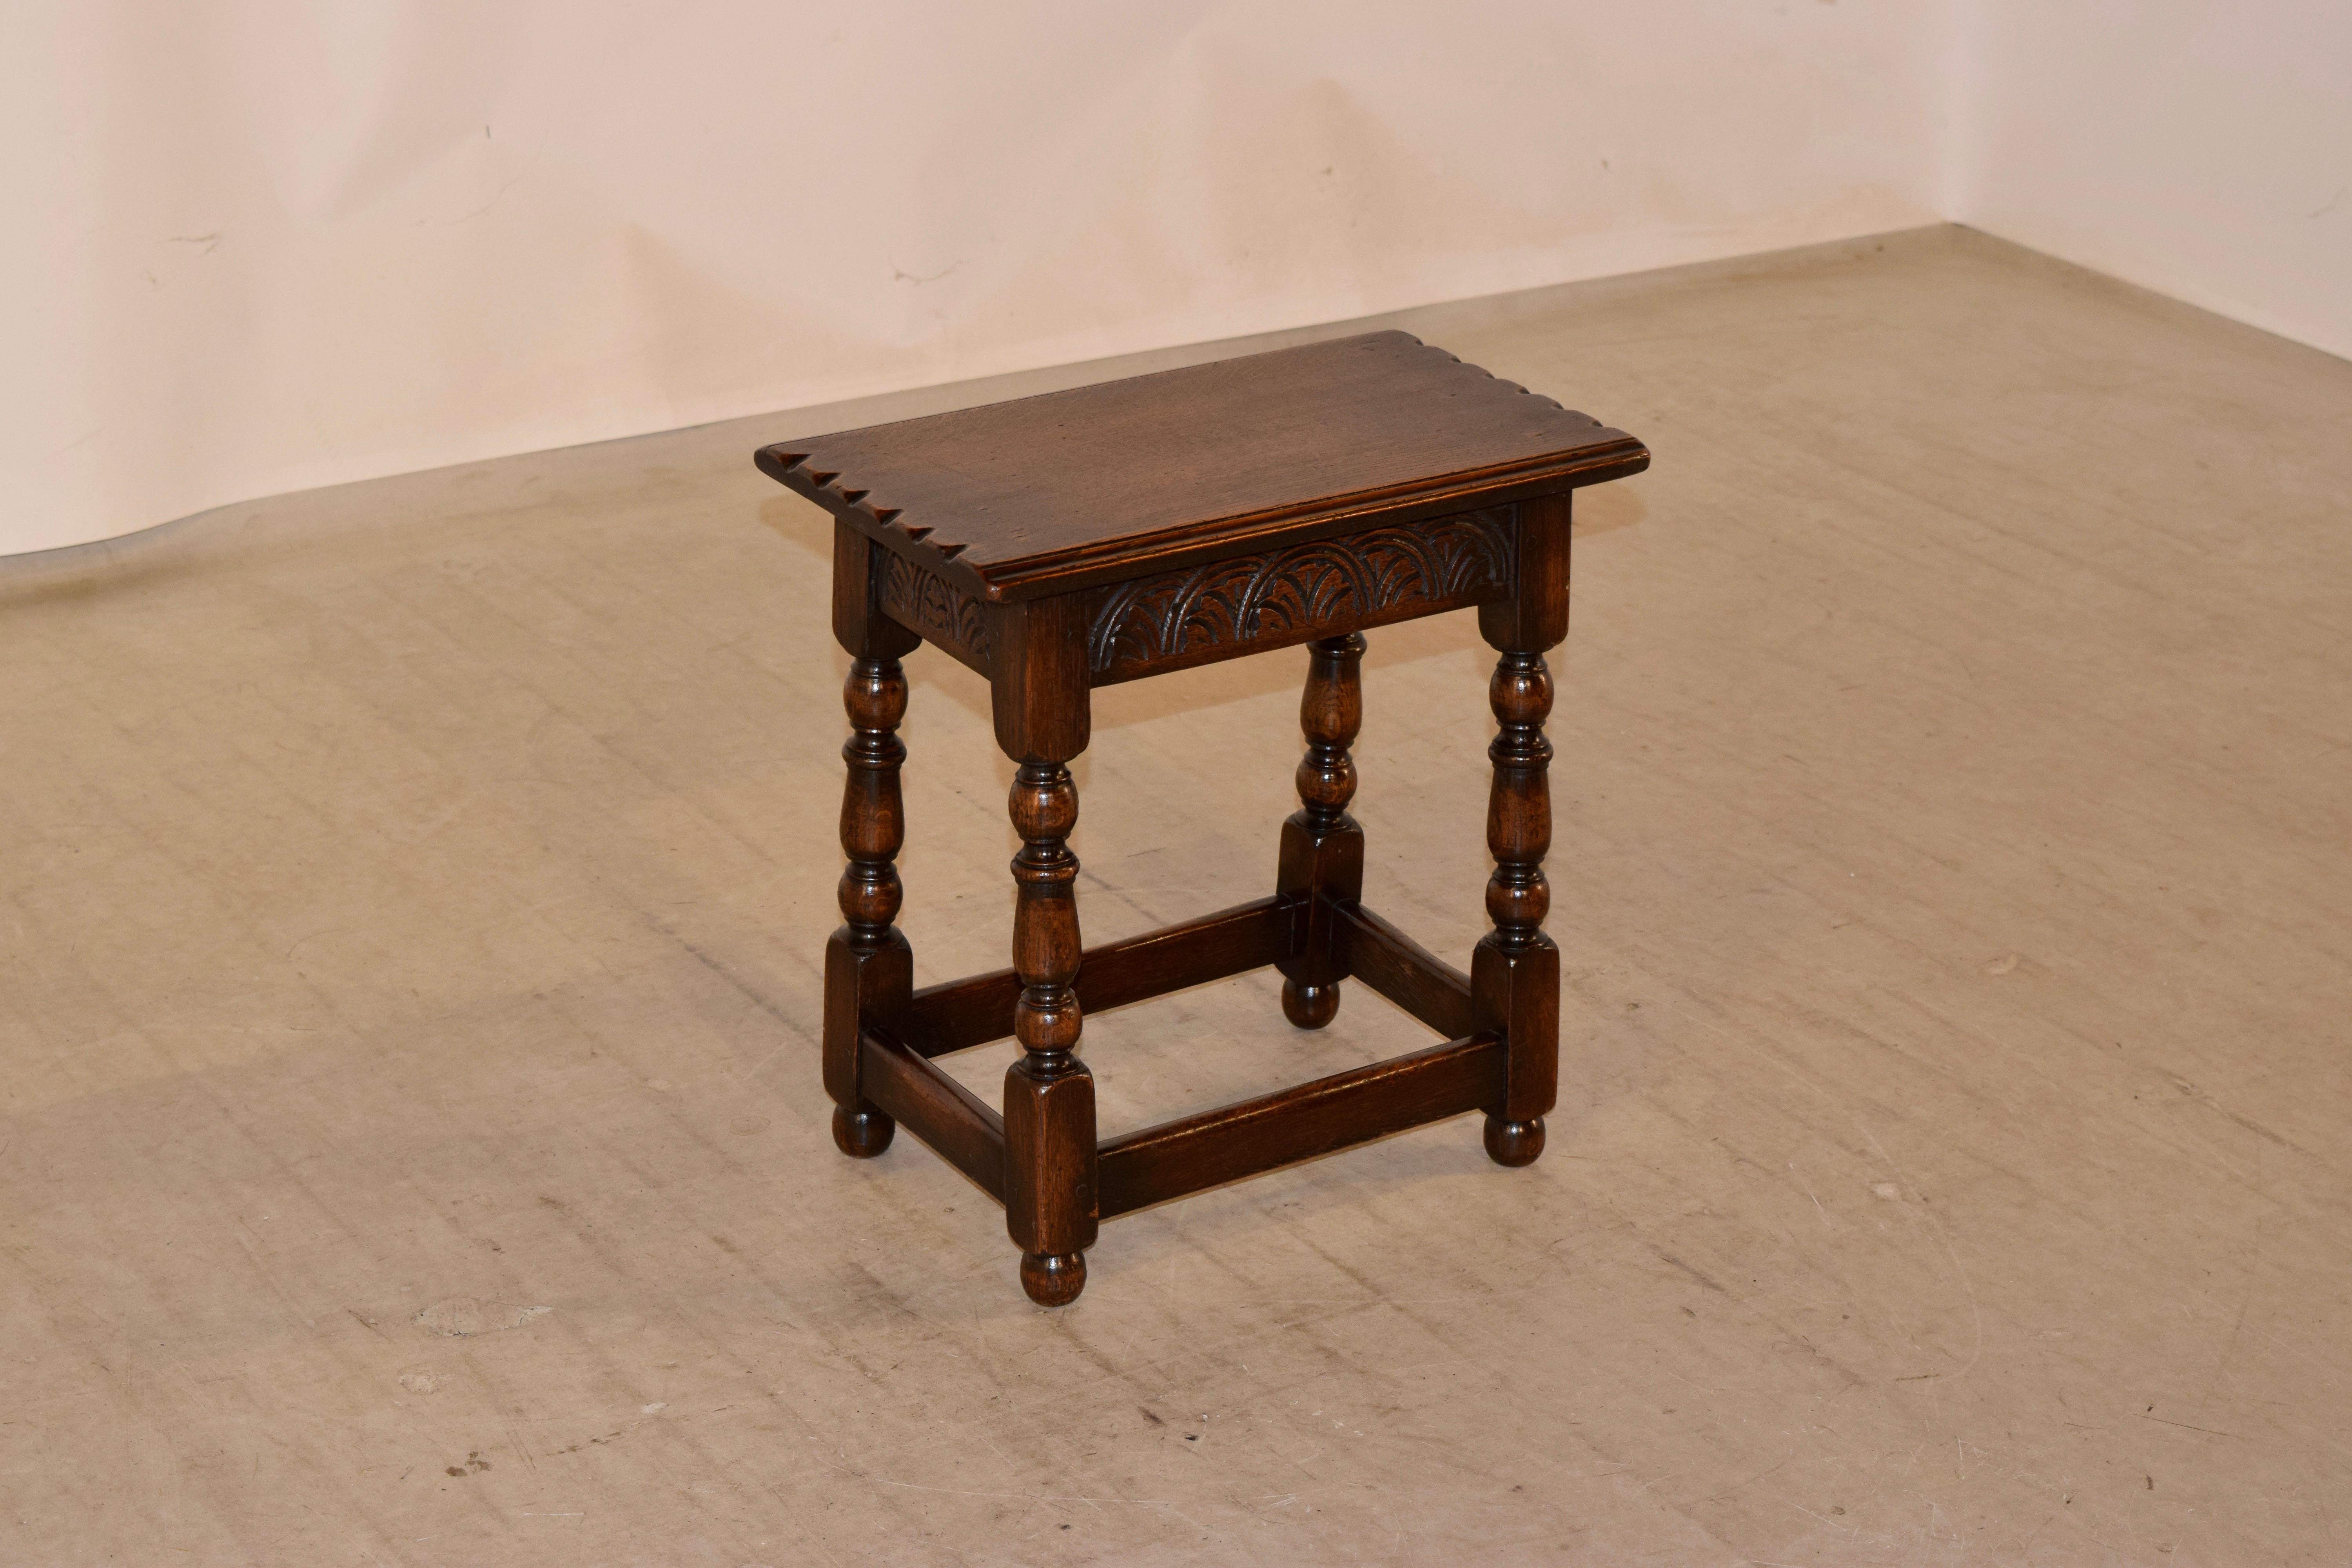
x,y
927,604
1077,538
1299,593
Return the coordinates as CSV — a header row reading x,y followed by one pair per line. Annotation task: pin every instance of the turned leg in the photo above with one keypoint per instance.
x,y
1042,717
1515,969
1049,1097
1322,847
868,968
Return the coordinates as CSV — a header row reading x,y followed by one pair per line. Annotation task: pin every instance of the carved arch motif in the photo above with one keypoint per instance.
x,y
1300,591
928,604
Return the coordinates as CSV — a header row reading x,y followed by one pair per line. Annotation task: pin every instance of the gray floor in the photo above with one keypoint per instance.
x,y
410,899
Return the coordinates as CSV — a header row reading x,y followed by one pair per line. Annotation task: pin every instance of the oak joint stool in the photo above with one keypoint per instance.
x,y
1070,540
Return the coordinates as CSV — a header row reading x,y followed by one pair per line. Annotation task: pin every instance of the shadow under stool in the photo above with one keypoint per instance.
x,y
1121,531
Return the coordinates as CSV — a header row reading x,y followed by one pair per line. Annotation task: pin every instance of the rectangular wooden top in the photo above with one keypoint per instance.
x,y
1040,495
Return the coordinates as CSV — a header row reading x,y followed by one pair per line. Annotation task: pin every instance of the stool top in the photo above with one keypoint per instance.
x,y
1040,495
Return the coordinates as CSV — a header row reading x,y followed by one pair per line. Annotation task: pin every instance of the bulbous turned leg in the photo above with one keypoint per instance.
x,y
1050,1207
861,1135
868,968
1514,1142
1515,969
1322,847
1053,1278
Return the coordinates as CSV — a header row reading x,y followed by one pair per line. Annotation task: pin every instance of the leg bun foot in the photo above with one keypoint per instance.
x,y
1053,1280
861,1135
1309,1007
1514,1142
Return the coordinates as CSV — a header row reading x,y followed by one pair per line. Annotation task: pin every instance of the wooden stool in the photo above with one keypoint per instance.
x,y
1066,542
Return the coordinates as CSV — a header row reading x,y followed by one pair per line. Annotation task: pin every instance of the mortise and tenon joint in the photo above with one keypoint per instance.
x,y
1063,542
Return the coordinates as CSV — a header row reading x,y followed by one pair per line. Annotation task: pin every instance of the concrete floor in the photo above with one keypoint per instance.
x,y
411,898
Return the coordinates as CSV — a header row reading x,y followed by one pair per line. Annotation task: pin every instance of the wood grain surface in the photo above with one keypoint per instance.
x,y
1071,489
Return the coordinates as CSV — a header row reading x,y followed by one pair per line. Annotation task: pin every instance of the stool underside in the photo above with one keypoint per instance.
x,y
1248,1138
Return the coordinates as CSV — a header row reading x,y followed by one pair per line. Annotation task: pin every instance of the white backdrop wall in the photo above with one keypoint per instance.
x,y
254,247
2203,150
257,246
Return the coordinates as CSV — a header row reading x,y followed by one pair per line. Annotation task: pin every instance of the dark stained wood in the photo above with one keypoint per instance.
x,y
1296,593
919,600
1322,860
863,986
1401,969
1518,806
858,623
1518,992
1515,971
961,1014
1124,531
1302,1123
1049,1096
873,810
1046,1016
1535,615
1049,1177
952,1121
1038,694
868,970
1042,495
